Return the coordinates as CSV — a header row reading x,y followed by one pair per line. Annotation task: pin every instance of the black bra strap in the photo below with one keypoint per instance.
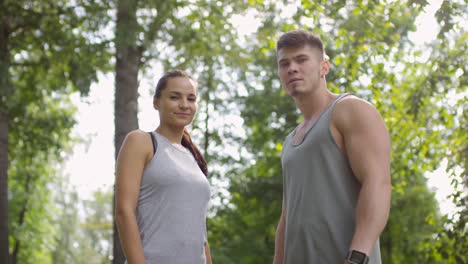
x,y
155,142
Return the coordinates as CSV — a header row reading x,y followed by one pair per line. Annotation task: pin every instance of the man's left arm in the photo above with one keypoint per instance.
x,y
367,145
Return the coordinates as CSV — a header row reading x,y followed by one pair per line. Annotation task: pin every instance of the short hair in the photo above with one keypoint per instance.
x,y
298,39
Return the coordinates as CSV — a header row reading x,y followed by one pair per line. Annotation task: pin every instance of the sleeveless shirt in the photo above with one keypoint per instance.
x,y
320,195
172,206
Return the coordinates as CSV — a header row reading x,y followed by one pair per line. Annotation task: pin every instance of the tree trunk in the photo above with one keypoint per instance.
x,y
128,58
4,120
22,215
4,245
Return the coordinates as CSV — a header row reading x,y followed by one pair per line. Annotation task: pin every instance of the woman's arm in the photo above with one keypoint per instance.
x,y
207,253
131,161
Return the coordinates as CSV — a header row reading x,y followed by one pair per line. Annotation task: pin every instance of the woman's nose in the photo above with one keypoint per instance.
x,y
183,103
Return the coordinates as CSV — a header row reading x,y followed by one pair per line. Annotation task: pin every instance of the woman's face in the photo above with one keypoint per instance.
x,y
177,104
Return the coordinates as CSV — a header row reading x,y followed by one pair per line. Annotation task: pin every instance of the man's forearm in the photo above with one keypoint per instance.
x,y
372,212
279,242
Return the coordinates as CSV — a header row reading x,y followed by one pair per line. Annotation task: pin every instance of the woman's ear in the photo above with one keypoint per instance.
x,y
156,103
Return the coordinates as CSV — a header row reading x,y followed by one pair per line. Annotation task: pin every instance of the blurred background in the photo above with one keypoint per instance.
x,y
78,75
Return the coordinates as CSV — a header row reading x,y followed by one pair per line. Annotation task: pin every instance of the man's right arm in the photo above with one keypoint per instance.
x,y
279,240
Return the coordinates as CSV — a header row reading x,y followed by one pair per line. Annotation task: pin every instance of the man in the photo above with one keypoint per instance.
x,y
336,166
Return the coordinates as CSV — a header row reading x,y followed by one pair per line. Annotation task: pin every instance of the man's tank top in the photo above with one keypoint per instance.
x,y
320,194
172,206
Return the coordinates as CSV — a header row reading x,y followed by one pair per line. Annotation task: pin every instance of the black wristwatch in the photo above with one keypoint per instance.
x,y
357,257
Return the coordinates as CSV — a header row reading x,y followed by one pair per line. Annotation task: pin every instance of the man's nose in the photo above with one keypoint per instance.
x,y
292,68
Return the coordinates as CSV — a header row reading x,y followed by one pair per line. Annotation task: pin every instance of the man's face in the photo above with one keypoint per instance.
x,y
300,69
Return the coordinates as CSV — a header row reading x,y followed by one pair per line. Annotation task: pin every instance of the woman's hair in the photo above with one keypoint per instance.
x,y
187,142
186,139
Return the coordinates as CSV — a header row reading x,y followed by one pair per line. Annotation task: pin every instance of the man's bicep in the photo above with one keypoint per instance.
x,y
367,143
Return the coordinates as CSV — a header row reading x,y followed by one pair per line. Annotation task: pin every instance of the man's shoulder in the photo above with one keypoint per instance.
x,y
352,104
352,109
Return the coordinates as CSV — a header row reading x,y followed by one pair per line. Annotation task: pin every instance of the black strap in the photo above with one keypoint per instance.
x,y
155,142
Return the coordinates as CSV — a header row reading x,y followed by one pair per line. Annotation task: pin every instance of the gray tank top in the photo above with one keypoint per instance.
x,y
320,194
172,206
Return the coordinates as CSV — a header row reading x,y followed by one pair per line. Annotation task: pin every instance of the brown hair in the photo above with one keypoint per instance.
x,y
186,139
298,39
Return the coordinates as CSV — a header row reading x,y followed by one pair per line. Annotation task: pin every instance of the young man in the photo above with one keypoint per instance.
x,y
336,166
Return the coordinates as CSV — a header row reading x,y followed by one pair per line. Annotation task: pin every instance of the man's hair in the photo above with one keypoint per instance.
x,y
298,39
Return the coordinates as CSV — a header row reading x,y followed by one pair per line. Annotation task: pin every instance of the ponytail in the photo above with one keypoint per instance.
x,y
187,142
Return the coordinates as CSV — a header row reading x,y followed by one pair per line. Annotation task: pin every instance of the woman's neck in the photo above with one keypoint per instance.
x,y
174,135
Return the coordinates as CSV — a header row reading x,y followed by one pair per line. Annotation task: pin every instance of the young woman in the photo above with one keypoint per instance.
x,y
162,192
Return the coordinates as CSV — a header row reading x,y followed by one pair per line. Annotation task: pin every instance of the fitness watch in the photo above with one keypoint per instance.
x,y
357,257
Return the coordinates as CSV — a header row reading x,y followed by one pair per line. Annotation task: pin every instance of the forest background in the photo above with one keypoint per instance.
x,y
58,57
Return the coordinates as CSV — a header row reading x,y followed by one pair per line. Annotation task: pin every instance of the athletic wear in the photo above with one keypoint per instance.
x,y
172,206
319,196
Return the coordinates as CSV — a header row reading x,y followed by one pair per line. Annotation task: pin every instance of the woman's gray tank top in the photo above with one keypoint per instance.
x,y
320,194
172,206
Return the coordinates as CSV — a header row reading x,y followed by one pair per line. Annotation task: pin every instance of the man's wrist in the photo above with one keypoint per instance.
x,y
357,257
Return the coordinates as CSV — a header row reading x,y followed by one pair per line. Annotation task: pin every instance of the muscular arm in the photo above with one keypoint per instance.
x,y
279,241
130,165
367,146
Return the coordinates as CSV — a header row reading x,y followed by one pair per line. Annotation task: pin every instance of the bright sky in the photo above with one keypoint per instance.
x,y
91,166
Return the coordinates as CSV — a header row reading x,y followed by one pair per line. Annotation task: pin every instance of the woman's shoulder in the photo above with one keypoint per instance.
x,y
138,138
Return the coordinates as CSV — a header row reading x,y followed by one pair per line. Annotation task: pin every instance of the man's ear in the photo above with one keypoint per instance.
x,y
325,67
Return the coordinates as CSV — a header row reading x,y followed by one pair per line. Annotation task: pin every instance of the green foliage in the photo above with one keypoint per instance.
x,y
98,223
84,227
53,49
56,47
371,56
30,200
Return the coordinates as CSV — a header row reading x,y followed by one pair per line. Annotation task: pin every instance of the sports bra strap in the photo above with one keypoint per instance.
x,y
155,142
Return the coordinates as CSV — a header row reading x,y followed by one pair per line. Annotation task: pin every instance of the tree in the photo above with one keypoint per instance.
x,y
446,66
98,224
164,29
84,227
369,48
48,51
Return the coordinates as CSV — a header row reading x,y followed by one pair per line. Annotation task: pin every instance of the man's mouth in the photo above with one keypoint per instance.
x,y
294,80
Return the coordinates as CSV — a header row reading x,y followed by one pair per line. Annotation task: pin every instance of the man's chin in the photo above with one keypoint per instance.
x,y
293,92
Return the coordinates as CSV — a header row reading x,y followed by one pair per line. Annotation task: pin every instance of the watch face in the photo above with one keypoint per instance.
x,y
357,257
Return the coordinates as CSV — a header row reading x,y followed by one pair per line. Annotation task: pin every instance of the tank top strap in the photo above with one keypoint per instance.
x,y
155,141
329,111
341,96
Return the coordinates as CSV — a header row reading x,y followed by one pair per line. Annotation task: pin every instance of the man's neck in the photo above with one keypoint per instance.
x,y
313,104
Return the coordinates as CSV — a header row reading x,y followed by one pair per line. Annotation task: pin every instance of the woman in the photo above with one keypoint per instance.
x,y
162,192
